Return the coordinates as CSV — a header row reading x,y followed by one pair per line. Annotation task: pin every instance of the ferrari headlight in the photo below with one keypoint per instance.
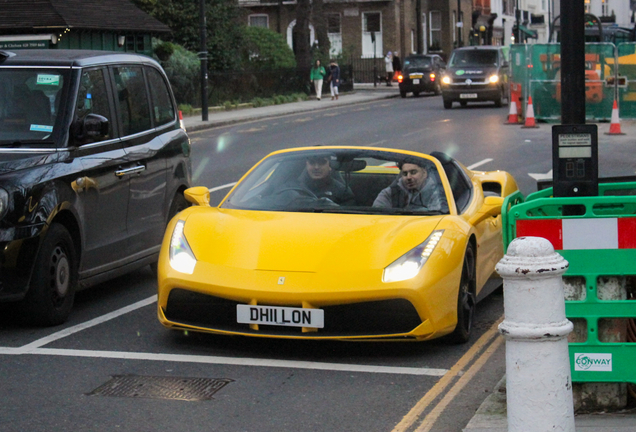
x,y
181,257
4,202
410,264
446,79
493,79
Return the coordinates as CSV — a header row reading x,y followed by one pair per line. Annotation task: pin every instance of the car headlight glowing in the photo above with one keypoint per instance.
x,y
181,257
410,264
4,202
446,80
494,79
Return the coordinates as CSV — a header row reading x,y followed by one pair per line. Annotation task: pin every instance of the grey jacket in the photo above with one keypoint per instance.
x,y
429,197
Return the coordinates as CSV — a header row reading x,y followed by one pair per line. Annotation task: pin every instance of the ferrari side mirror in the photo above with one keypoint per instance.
x,y
199,195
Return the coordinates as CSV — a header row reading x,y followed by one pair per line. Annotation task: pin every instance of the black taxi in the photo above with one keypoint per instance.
x,y
93,163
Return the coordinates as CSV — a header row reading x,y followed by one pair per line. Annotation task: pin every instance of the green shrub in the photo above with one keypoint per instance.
x,y
183,70
265,49
186,109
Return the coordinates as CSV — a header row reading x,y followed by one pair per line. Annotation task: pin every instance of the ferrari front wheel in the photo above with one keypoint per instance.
x,y
466,299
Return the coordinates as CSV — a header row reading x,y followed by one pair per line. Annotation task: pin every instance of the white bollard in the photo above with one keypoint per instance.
x,y
538,378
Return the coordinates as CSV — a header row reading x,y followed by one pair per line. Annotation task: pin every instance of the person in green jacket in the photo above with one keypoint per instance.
x,y
316,75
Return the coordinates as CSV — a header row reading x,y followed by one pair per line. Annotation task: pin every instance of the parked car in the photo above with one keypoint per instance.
x,y
93,163
421,73
476,74
279,259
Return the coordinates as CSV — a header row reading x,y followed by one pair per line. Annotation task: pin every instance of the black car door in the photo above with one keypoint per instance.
x,y
101,194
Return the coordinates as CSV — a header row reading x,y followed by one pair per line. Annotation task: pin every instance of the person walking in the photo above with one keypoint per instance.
x,y
316,75
397,63
334,79
388,62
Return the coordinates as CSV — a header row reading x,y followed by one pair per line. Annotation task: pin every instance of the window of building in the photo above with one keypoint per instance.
x,y
372,30
259,21
436,30
372,22
333,23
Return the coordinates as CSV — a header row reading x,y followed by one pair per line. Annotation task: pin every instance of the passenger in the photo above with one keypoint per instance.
x,y
318,178
413,190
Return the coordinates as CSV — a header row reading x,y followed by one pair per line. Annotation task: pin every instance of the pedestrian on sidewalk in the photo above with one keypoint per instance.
x,y
388,63
397,63
317,74
334,79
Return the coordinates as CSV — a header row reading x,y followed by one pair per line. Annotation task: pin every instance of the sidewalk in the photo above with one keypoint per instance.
x,y
491,417
362,93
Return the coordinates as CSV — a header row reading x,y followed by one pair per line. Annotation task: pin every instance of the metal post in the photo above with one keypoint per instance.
x,y
203,55
572,62
459,20
538,377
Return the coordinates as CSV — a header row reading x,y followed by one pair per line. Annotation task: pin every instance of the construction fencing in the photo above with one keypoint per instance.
x,y
610,75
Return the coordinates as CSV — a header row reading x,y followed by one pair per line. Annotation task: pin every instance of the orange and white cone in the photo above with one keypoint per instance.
x,y
615,125
513,116
530,121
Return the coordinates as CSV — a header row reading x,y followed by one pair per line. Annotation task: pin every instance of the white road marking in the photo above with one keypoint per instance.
x,y
290,364
482,162
225,186
88,324
546,176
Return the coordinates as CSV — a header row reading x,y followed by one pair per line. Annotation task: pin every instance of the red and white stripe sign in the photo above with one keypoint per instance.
x,y
572,234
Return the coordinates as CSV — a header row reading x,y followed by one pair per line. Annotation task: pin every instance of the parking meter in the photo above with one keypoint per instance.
x,y
575,160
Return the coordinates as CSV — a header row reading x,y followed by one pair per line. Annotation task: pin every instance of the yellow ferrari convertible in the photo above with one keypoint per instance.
x,y
347,243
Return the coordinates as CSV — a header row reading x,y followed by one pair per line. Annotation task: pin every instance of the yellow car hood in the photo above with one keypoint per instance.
x,y
302,242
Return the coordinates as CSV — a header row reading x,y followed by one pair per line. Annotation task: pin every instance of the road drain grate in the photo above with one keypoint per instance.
x,y
177,388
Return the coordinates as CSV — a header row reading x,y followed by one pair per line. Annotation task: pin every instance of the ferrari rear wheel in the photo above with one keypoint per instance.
x,y
466,299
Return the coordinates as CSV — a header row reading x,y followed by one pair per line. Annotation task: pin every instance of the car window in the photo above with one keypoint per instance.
x,y
460,185
30,104
339,181
422,62
134,112
92,98
162,107
474,57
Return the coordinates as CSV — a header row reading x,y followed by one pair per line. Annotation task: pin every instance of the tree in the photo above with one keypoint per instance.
x,y
224,36
321,25
301,34
265,49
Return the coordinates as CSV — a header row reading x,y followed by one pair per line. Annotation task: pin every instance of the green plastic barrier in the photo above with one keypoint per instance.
x,y
541,78
626,79
607,221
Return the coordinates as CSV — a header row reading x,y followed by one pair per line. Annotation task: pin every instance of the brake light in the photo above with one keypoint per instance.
x,y
400,78
432,77
181,122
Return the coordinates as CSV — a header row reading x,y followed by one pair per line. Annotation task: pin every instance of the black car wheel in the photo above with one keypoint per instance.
x,y
402,93
52,290
466,299
448,104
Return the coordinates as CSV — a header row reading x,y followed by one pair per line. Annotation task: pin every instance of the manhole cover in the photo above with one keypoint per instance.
x,y
178,388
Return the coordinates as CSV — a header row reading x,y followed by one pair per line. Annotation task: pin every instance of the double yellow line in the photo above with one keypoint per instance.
x,y
488,340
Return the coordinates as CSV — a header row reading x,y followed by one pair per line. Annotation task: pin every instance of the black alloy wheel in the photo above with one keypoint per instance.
x,y
466,299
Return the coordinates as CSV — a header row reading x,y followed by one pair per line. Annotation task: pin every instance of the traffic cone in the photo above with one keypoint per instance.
x,y
530,122
513,117
615,125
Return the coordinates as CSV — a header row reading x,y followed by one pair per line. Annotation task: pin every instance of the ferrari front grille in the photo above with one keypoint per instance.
x,y
356,319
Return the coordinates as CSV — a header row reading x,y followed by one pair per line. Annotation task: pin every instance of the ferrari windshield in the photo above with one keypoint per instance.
x,y
30,105
342,181
473,58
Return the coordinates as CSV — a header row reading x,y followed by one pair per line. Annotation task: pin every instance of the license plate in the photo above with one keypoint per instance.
x,y
468,96
416,81
416,75
283,316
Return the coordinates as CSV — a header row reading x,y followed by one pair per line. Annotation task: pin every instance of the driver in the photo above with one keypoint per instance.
x,y
413,190
318,179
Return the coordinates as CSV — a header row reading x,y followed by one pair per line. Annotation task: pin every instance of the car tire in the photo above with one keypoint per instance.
x,y
416,94
466,299
54,280
448,104
437,90
499,102
402,93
